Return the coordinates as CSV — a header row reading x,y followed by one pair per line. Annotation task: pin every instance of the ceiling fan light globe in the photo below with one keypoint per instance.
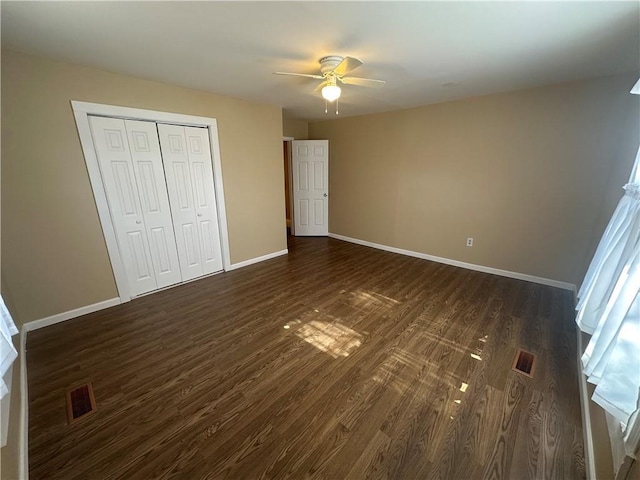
x,y
331,92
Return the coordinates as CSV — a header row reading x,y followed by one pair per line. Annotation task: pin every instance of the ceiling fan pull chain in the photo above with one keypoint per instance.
x,y
325,106
337,102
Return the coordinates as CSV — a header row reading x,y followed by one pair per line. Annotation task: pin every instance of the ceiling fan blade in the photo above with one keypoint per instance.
x,y
362,82
320,87
346,65
317,77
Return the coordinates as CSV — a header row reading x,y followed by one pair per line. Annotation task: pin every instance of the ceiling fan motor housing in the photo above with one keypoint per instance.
x,y
327,64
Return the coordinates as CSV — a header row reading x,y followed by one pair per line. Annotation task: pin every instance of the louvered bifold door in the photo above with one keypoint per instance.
x,y
116,166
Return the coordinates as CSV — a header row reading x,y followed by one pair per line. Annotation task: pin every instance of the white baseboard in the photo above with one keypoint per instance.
x,y
61,317
5,406
251,261
589,461
78,312
456,263
23,447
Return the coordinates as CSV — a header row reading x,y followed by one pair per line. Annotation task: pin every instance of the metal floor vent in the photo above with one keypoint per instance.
x,y
80,402
524,363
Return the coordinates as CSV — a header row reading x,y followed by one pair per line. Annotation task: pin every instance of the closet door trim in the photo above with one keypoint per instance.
x,y
81,111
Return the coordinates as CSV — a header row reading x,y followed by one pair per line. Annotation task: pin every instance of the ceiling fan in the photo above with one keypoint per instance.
x,y
333,70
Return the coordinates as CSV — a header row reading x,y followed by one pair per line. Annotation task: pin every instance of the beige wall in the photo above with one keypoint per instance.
x,y
532,175
54,257
292,127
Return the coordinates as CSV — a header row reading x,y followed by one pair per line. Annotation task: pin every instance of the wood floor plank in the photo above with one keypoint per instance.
x,y
499,464
336,361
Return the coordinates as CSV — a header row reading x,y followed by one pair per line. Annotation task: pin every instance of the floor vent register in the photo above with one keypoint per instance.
x,y
80,402
524,363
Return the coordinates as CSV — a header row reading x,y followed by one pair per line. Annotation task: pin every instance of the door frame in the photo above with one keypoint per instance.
x,y
288,140
81,112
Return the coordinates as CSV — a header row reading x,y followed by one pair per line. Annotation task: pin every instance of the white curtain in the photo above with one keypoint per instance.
x,y
616,247
609,308
8,352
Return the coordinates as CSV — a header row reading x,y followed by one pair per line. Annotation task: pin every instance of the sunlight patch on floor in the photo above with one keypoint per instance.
x,y
333,338
403,370
361,299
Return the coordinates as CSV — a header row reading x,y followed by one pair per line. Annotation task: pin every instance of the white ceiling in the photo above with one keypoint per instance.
x,y
427,52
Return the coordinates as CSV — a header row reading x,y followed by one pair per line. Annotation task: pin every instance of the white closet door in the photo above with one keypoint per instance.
x,y
204,198
114,158
152,188
179,185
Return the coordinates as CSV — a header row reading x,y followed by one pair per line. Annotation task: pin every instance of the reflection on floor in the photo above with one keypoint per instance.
x,y
337,361
332,338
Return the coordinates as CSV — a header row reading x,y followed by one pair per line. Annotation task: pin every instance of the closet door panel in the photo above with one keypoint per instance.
x,y
181,199
197,141
190,238
154,200
137,245
114,158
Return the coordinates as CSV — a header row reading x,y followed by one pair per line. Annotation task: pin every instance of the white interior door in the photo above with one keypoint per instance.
x,y
310,162
181,199
152,188
199,152
114,159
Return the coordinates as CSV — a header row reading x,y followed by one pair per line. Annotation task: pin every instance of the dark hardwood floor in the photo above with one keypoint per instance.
x,y
334,362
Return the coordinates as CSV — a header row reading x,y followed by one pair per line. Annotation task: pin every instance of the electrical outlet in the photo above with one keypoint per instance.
x,y
469,241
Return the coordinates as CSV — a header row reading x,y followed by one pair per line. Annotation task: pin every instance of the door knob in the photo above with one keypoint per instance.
x,y
138,222
199,214
325,195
